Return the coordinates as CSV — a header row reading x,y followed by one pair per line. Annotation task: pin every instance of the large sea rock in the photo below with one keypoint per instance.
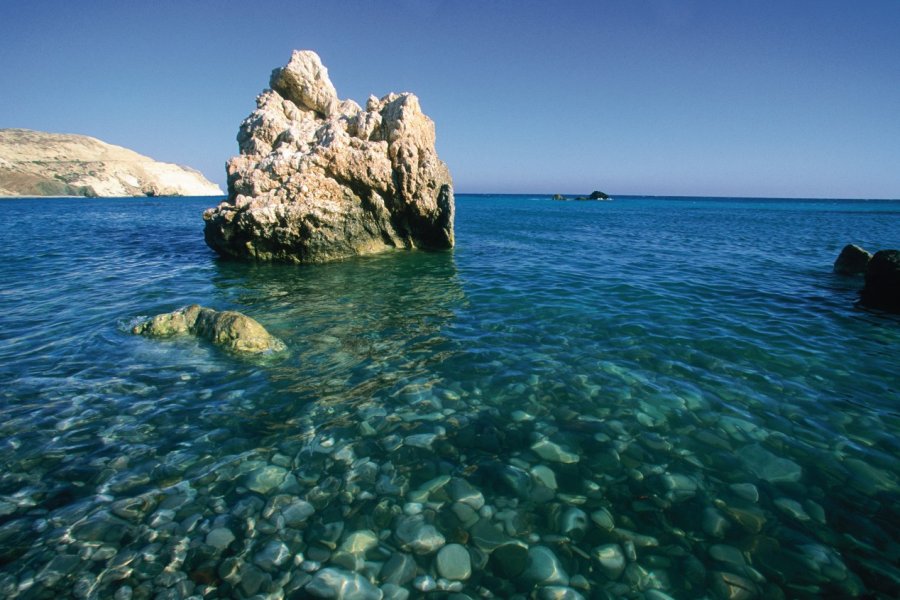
x,y
36,163
319,178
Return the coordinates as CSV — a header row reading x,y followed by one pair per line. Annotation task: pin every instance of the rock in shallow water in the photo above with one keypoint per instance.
x,y
267,478
342,585
768,466
544,568
882,288
611,559
414,534
852,260
232,330
453,562
320,179
220,538
554,452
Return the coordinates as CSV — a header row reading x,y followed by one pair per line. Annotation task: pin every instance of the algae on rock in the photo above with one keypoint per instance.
x,y
234,331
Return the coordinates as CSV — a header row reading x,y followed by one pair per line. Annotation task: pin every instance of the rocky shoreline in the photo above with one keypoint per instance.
x,y
35,163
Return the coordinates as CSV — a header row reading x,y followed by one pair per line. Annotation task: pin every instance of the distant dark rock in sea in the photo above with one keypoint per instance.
x,y
596,195
852,260
882,289
232,330
35,163
319,178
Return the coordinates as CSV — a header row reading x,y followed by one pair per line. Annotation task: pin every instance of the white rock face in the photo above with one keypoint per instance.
x,y
35,163
319,178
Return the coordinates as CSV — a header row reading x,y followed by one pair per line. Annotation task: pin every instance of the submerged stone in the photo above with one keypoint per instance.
x,y
678,487
267,478
747,491
510,559
462,491
729,586
714,523
414,534
486,536
453,562
399,569
611,559
558,592
750,518
220,538
792,508
230,329
275,554
359,542
342,585
727,554
544,568
768,466
296,513
573,523
554,452
393,591
603,519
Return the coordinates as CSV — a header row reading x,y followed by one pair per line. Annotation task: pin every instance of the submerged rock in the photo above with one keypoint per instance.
x,y
882,289
852,260
544,568
768,466
319,178
336,583
453,562
235,331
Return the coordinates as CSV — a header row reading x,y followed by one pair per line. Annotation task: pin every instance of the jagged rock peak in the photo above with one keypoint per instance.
x,y
319,178
304,81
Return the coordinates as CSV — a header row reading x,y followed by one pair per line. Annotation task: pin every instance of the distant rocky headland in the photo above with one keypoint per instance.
x,y
319,178
36,163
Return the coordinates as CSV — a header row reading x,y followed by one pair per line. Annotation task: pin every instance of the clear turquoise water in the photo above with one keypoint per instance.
x,y
675,346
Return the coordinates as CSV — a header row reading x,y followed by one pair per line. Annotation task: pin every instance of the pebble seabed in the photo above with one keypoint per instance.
x,y
529,477
440,492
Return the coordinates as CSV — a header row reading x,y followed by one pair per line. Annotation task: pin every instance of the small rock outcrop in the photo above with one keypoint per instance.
x,y
232,330
595,195
36,163
319,178
882,289
852,260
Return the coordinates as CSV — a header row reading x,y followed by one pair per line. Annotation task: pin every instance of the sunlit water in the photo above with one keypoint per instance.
x,y
654,397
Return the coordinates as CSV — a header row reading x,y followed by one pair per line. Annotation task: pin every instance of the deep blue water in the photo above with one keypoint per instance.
x,y
708,380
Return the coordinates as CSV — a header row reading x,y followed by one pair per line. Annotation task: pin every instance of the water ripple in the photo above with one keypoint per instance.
x,y
668,342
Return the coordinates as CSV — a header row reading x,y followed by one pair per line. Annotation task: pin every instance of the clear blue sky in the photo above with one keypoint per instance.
x,y
687,97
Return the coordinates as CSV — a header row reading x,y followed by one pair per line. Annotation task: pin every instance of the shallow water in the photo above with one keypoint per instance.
x,y
651,397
